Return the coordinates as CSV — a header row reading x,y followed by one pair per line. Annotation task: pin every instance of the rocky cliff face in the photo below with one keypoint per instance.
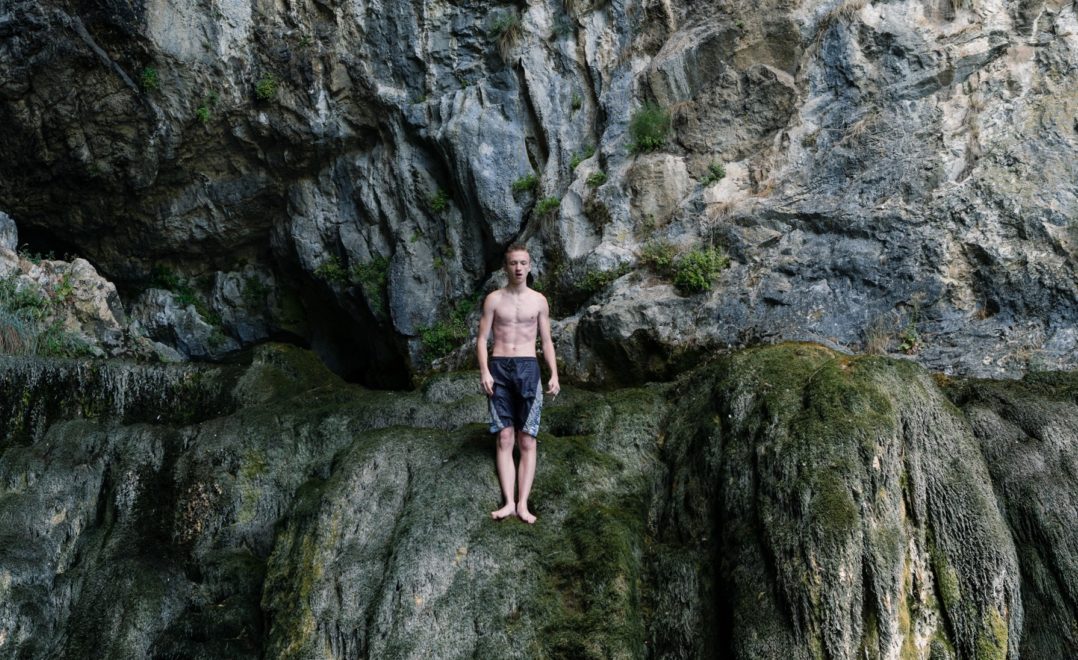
x,y
779,502
883,176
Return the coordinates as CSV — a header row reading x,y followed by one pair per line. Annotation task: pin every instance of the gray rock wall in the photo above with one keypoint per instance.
x,y
898,176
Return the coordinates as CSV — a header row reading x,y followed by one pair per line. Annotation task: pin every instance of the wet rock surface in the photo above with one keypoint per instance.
x,y
777,502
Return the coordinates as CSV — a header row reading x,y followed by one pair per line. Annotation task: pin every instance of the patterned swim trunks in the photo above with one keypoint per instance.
x,y
518,395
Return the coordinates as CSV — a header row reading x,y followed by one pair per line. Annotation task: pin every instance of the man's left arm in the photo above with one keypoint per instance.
x,y
548,348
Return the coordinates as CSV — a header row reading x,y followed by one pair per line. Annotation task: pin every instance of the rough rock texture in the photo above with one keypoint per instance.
x,y
898,176
785,502
57,307
291,515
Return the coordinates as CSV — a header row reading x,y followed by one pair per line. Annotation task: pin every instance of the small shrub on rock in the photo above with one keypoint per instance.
x,y
649,128
266,88
149,79
659,257
597,213
715,172
578,158
596,179
331,270
439,203
440,339
506,31
595,281
526,183
547,205
373,277
695,271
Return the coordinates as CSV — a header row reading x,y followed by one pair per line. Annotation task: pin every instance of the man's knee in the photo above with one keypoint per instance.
x,y
505,438
526,442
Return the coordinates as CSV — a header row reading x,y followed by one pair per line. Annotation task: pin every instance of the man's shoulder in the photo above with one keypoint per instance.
x,y
537,297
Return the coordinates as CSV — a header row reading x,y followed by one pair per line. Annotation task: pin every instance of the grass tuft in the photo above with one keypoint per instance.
x,y
547,205
526,183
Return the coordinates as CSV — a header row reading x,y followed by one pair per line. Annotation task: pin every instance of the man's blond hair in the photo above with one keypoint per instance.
x,y
516,247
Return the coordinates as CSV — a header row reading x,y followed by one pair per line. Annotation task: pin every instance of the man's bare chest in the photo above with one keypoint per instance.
x,y
516,313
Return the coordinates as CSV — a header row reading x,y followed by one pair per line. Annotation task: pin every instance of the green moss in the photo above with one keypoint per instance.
x,y
1059,386
905,617
870,637
992,638
254,464
567,462
833,507
596,179
946,580
292,572
592,590
940,649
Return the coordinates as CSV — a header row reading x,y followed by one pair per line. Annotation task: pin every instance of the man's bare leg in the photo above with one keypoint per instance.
x,y
526,475
506,474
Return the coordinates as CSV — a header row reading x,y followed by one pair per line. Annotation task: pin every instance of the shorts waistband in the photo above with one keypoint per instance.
x,y
515,357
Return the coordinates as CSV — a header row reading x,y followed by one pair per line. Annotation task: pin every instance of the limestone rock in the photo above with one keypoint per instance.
x,y
9,233
781,501
897,178
165,318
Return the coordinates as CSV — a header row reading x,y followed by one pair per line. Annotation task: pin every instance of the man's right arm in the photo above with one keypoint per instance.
x,y
486,381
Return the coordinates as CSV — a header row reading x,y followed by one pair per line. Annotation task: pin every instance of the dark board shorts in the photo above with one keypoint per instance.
x,y
518,395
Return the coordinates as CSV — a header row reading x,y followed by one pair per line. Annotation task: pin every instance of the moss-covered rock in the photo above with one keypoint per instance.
x,y
834,489
1028,433
785,501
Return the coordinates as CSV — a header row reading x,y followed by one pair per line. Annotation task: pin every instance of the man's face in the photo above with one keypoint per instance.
x,y
517,266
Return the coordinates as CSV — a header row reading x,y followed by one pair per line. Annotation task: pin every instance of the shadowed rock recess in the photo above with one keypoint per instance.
x,y
781,502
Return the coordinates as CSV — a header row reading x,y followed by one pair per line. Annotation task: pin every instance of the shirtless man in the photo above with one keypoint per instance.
x,y
511,381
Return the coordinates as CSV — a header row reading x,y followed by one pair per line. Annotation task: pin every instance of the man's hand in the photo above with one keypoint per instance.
x,y
552,387
486,382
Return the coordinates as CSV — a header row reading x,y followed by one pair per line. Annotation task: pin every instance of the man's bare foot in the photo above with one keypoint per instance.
x,y
525,515
504,512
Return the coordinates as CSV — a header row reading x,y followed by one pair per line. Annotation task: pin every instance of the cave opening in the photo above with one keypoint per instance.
x,y
36,243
